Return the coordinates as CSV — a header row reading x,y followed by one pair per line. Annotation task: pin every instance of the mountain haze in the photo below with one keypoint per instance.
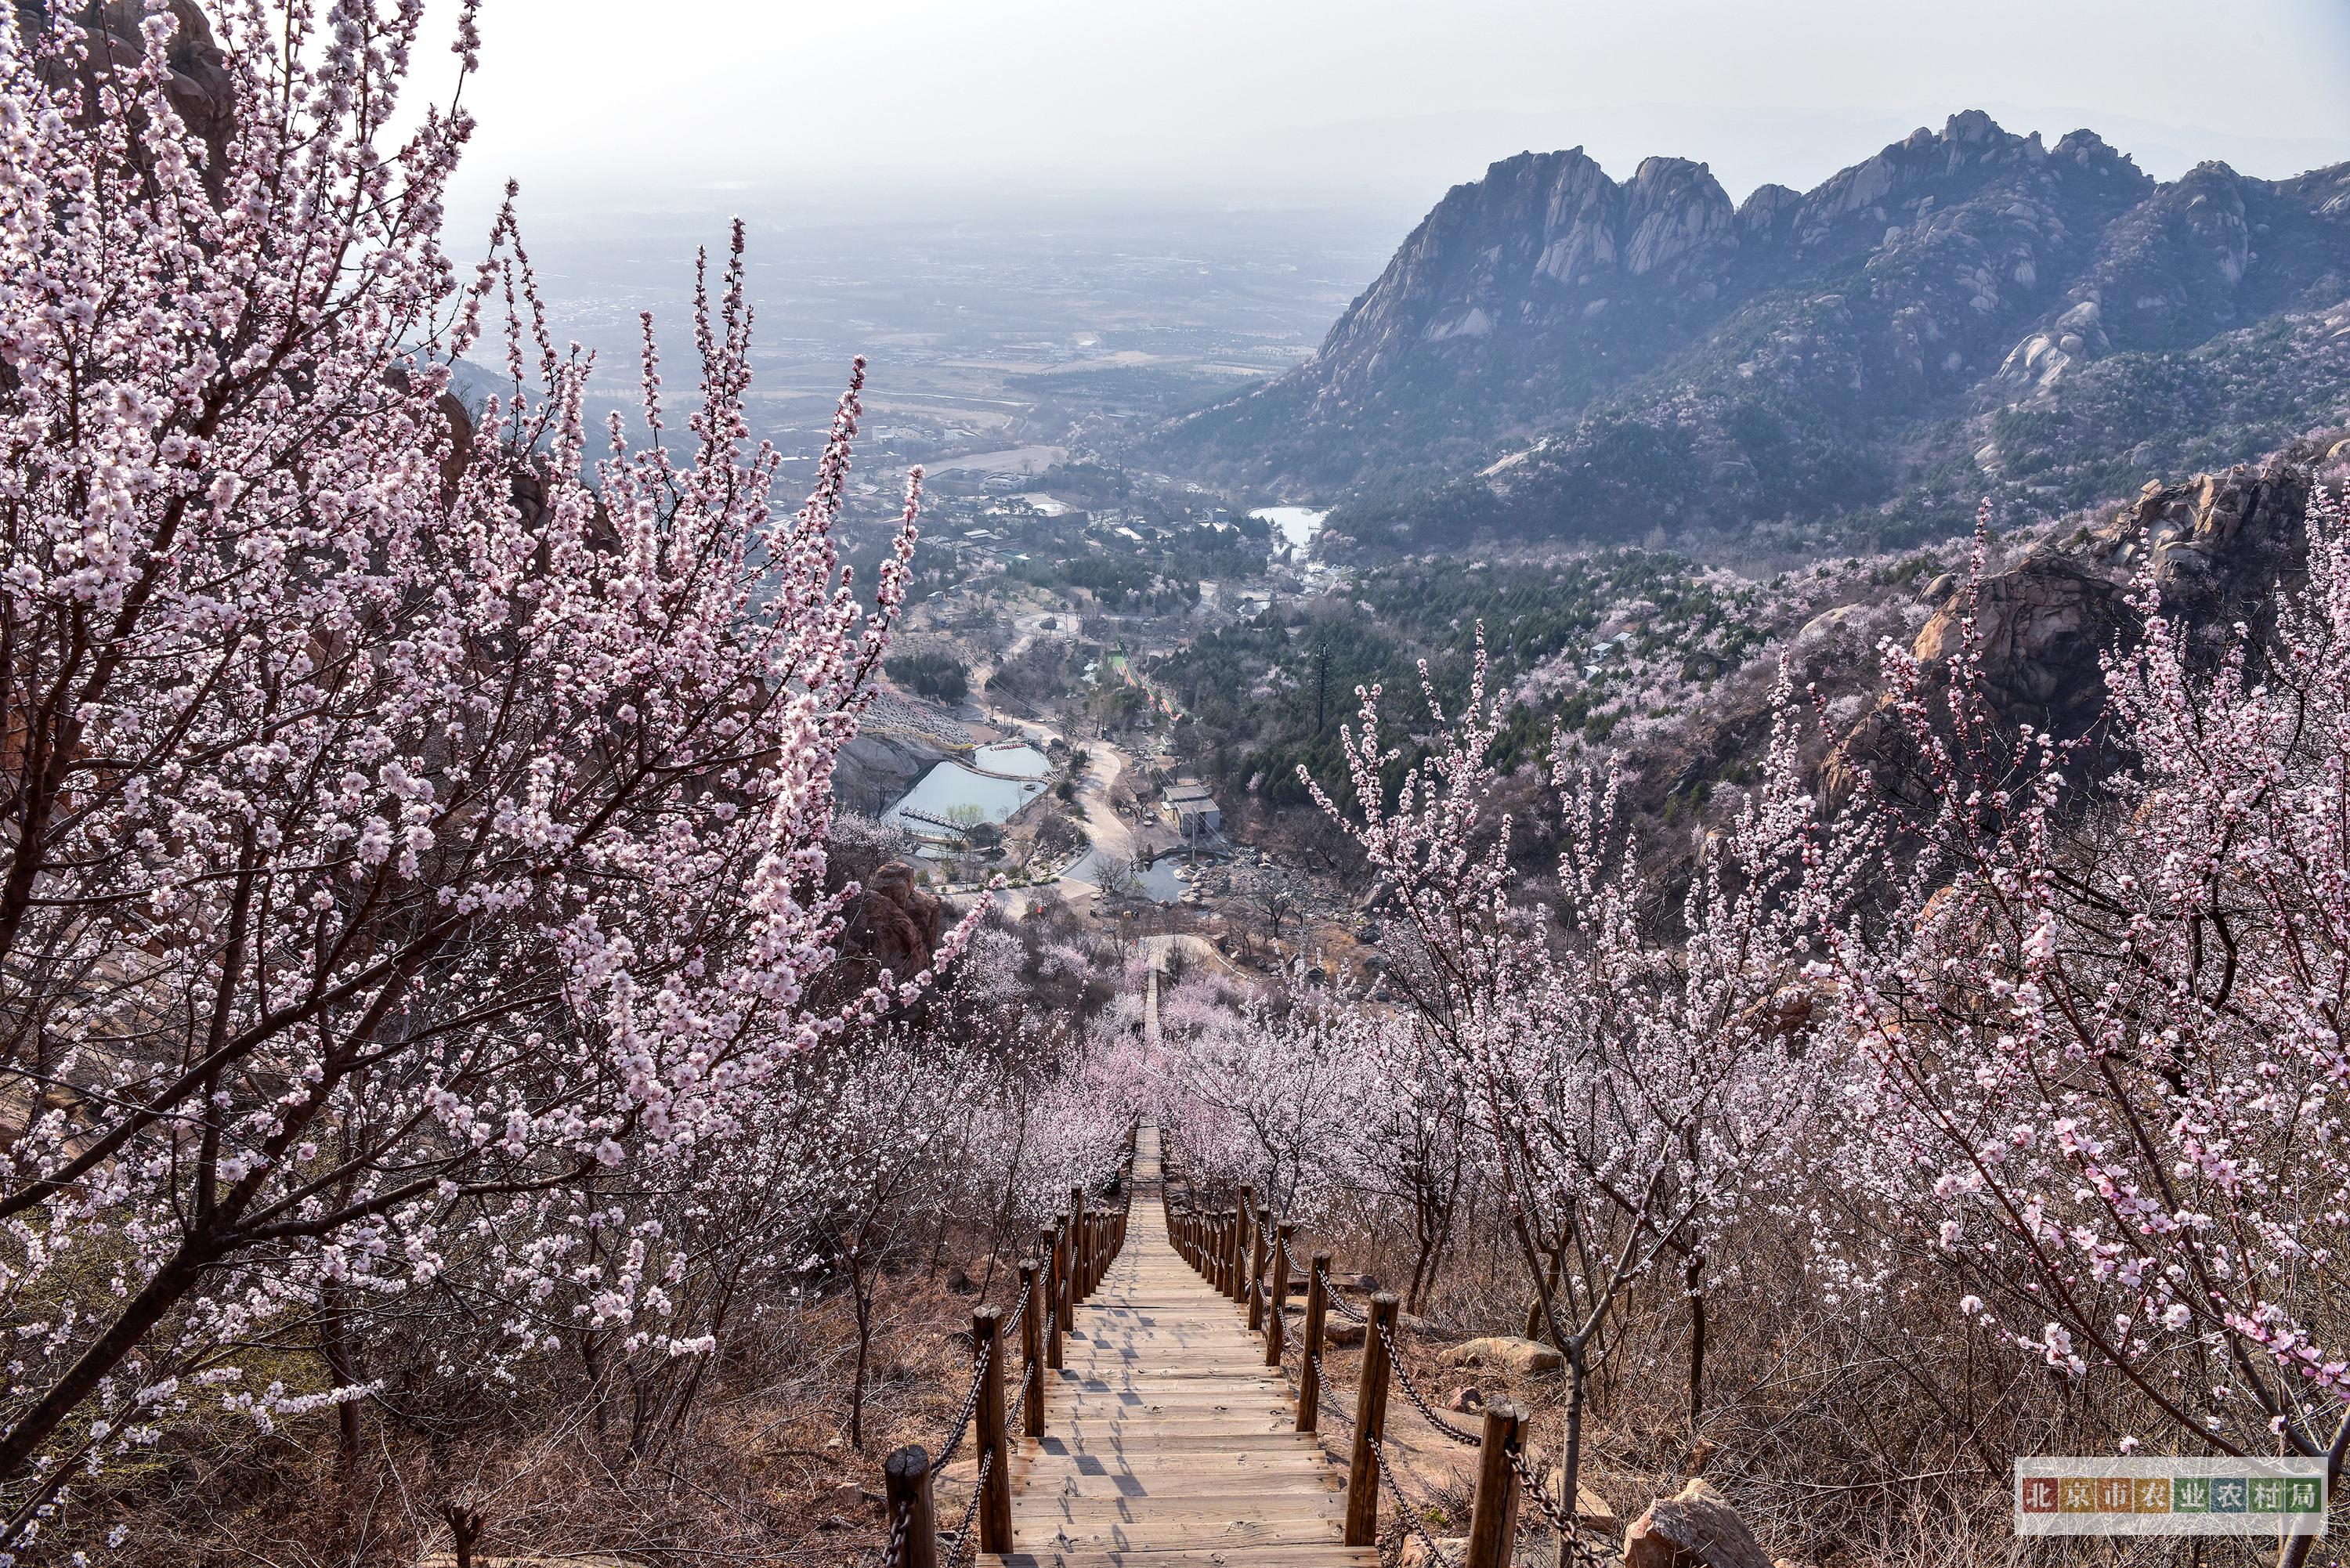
x,y
1968,310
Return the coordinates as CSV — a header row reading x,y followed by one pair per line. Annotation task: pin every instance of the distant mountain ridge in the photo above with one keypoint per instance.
x,y
1966,310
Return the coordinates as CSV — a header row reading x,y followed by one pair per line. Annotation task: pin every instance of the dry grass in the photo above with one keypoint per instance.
x,y
763,1472
1817,1424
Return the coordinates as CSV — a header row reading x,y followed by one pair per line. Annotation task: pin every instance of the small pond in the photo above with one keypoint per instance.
x,y
1014,759
950,796
1295,525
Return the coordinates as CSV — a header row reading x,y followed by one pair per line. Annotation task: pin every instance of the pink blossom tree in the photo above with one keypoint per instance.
x,y
1271,1088
1629,1082
2101,1029
402,830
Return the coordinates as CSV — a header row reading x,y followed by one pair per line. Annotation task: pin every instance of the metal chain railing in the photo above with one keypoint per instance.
x,y
894,1552
1406,1510
1346,1309
1568,1529
966,1546
1419,1400
1322,1390
1011,1417
965,1538
963,1421
1011,1323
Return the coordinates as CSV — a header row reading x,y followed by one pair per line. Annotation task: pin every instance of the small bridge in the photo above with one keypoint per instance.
x,y
1155,1424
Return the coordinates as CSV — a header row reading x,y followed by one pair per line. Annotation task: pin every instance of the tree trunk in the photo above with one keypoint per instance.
x,y
2294,1551
1570,1459
857,1383
335,1350
175,1279
1534,1307
1694,1281
464,1529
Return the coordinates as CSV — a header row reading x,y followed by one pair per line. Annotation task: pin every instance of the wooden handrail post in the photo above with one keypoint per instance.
x,y
1493,1518
1318,1307
1276,1320
1078,1246
1049,1301
1032,1354
1064,1301
1370,1425
1256,1272
1243,1221
1228,1277
994,1454
906,1480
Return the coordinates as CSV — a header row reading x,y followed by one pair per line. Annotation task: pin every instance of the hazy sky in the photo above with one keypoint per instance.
x,y
599,100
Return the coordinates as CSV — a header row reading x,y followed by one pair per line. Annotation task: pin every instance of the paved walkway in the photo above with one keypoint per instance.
x,y
1169,1443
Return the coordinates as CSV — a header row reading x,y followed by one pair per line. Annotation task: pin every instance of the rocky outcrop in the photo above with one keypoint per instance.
x,y
2042,627
1414,1553
198,88
1696,1528
2216,549
2219,544
1519,1357
895,924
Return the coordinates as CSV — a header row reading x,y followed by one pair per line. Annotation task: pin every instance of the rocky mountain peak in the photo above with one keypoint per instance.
x,y
1672,208
1966,309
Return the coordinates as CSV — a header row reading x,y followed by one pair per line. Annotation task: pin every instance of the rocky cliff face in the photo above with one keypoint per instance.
x,y
894,924
199,86
1967,308
2217,549
1552,224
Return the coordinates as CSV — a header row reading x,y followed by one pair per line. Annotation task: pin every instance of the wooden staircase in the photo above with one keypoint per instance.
x,y
1169,1443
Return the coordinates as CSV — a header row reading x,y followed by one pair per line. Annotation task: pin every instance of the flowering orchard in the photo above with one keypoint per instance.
x,y
1624,1086
2105,1049
414,885
2024,1079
